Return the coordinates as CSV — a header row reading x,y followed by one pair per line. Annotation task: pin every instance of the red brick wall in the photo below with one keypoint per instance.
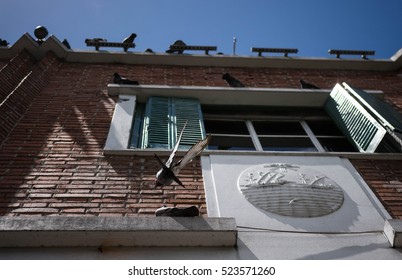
x,y
385,179
52,162
21,81
389,82
14,71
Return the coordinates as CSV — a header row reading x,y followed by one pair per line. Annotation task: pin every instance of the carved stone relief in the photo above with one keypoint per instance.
x,y
290,190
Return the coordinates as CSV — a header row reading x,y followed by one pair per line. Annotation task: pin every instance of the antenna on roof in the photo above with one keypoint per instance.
x,y
234,45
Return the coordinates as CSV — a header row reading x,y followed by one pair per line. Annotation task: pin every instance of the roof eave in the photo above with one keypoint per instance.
x,y
53,44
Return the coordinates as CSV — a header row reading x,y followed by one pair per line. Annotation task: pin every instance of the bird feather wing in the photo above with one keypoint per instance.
x,y
169,172
172,155
194,151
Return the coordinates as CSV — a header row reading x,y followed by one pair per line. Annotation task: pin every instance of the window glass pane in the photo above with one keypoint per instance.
x,y
324,127
338,144
278,128
225,127
287,144
231,143
137,126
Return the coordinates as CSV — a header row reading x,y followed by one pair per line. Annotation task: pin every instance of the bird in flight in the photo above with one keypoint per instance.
x,y
117,79
169,170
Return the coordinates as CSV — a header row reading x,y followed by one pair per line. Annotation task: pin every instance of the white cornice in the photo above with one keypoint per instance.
x,y
230,95
53,44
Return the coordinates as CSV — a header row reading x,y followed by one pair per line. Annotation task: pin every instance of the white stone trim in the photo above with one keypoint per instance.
x,y
360,211
117,231
229,95
393,231
120,128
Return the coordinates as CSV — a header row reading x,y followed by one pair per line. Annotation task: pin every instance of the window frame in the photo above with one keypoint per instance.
x,y
118,140
256,137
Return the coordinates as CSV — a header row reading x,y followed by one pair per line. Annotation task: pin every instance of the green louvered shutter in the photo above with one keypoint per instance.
x,y
188,110
164,119
387,115
354,121
156,129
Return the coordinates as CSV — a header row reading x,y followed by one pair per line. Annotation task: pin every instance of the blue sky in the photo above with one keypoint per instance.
x,y
312,26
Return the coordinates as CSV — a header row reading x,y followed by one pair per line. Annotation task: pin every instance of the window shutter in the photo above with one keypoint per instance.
x,y
156,123
164,119
353,120
381,110
188,110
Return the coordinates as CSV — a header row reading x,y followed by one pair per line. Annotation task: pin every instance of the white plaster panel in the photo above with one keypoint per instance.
x,y
120,127
359,212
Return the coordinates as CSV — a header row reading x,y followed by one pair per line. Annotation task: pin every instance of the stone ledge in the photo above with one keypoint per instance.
x,y
121,231
393,231
70,55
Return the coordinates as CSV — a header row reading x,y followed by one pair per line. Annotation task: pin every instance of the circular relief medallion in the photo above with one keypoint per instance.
x,y
290,190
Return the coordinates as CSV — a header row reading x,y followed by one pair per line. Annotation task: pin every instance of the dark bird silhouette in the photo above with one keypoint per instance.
x,y
95,40
169,170
3,43
66,43
306,85
179,43
191,211
117,79
129,39
232,81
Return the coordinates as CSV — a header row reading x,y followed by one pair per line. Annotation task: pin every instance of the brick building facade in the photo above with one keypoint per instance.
x,y
56,111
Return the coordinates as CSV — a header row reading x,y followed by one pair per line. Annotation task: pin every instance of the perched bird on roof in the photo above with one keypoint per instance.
x,y
3,43
169,170
129,39
117,79
306,85
179,43
95,40
232,81
191,211
66,43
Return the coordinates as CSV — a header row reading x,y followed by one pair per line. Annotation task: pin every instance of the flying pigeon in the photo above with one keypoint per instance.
x,y
191,211
306,85
167,174
232,81
123,81
129,39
